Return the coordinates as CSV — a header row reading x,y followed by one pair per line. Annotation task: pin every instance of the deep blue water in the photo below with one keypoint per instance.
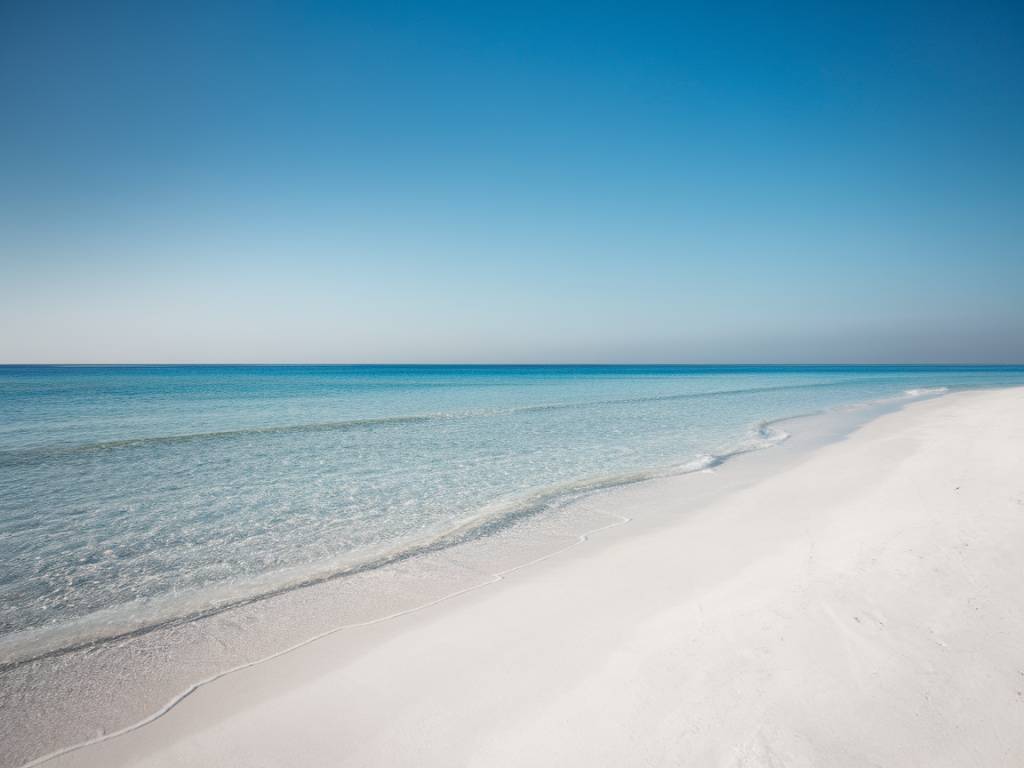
x,y
133,494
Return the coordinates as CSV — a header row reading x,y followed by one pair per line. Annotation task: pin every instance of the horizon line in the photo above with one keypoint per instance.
x,y
507,364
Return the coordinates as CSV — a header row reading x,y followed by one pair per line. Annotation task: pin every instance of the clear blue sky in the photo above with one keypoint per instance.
x,y
346,182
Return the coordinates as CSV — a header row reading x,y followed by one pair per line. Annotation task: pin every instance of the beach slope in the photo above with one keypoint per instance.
x,y
861,606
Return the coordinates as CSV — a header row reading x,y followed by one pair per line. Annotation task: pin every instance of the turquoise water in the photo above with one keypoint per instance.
x,y
134,495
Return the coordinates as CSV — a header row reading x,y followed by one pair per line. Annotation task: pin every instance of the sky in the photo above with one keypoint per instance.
x,y
488,182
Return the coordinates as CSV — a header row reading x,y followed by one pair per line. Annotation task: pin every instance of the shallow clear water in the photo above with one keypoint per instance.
x,y
130,495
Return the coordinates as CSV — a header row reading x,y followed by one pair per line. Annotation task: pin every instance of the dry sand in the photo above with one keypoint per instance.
x,y
863,606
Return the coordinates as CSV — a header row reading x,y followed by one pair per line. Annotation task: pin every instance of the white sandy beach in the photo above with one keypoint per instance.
x,y
862,606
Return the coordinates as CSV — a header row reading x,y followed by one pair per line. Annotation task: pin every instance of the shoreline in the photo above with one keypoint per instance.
x,y
547,500
469,567
551,500
467,655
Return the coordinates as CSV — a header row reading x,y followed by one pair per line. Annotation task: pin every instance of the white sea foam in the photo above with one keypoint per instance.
x,y
922,391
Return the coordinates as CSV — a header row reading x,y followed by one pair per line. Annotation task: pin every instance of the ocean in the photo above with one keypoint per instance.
x,y
136,495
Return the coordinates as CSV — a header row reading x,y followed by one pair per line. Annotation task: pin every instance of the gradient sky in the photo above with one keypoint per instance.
x,y
473,182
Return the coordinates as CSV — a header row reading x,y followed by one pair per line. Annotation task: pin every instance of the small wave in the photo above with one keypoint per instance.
x,y
922,391
28,454
680,396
